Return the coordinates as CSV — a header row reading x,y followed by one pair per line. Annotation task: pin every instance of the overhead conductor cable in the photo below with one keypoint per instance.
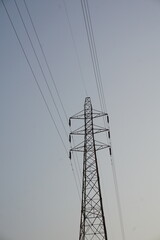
x,y
96,68
40,90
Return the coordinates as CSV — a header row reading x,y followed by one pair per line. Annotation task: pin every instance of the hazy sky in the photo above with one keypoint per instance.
x,y
38,195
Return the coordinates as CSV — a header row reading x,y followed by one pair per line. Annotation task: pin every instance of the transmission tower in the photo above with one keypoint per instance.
x,y
92,221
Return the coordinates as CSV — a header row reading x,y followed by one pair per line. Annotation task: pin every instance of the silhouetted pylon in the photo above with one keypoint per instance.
x,y
92,222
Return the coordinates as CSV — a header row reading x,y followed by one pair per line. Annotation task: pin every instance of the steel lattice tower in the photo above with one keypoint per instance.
x,y
92,222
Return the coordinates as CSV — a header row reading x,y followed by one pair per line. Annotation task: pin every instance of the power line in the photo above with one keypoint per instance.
x,y
34,76
48,67
96,59
75,180
49,70
45,79
118,197
75,47
45,58
90,37
97,73
40,66
39,88
94,55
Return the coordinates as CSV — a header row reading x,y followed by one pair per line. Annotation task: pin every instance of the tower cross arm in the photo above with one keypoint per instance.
x,y
98,129
78,131
78,148
100,145
96,113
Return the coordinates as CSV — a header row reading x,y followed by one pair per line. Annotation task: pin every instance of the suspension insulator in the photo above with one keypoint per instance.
x,y
70,155
110,151
69,137
107,118
69,122
109,135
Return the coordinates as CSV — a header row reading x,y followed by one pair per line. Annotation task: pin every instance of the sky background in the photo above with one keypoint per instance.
x,y
39,197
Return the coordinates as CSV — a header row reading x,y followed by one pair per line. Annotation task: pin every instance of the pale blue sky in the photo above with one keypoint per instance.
x,y
38,197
